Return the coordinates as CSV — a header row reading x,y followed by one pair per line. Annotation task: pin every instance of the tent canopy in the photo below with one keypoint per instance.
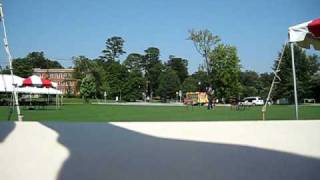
x,y
37,81
6,85
35,90
306,34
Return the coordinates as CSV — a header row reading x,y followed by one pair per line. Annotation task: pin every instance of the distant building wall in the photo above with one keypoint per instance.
x,y
66,84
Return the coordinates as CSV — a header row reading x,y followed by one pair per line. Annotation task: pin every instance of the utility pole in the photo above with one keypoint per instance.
x,y
6,47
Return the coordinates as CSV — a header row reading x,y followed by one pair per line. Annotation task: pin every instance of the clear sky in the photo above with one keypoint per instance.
x,y
66,28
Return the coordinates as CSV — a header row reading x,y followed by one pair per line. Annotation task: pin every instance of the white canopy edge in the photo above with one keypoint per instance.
x,y
6,85
300,34
35,90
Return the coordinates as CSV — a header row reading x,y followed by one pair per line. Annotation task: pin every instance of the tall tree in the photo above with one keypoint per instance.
x,y
134,62
265,80
190,84
102,84
315,87
152,68
133,87
250,83
116,77
225,62
180,66
152,55
168,85
204,41
114,49
82,67
38,60
23,67
202,79
88,87
306,67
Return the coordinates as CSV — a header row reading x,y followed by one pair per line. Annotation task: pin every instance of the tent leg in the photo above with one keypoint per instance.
x,y
275,77
7,50
294,82
56,101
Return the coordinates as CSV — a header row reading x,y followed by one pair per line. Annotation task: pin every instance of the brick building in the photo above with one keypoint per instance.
x,y
66,84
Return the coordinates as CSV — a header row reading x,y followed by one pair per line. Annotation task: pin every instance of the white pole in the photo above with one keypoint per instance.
x,y
6,46
294,82
275,77
56,101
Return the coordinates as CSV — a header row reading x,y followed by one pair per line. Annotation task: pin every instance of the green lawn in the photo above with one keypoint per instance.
x,y
105,113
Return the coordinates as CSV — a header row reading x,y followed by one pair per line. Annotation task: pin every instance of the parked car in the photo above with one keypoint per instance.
x,y
252,101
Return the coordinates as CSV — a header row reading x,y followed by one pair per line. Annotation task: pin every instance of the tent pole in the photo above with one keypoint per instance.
x,y
294,82
56,102
6,47
275,77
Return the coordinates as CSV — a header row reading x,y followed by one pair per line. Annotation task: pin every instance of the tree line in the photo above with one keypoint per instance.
x,y
139,76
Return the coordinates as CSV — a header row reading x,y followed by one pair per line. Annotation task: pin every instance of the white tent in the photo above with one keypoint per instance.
x,y
7,86
36,90
304,35
36,81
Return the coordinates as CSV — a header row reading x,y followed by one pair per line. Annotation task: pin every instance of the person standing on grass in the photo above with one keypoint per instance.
x,y
210,94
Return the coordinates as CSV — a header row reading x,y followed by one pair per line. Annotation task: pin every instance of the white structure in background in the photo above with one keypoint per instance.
x,y
6,82
37,81
6,86
304,35
36,90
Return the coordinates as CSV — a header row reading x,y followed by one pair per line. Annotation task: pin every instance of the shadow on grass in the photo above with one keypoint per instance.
x,y
104,151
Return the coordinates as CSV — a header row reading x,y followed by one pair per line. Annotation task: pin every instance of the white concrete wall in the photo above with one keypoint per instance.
x,y
160,150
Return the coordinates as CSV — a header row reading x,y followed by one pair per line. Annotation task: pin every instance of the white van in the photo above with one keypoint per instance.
x,y
252,101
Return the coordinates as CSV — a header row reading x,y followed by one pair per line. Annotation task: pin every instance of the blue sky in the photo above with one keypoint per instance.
x,y
66,28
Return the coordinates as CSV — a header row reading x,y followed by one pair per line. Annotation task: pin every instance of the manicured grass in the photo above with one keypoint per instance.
x,y
106,113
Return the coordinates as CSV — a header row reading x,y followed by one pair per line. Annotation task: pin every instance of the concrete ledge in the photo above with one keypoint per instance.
x,y
160,150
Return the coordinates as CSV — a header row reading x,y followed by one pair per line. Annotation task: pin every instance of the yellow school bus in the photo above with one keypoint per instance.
x,y
196,98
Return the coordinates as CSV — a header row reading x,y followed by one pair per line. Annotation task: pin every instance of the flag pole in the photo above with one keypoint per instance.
x,y
6,46
294,81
